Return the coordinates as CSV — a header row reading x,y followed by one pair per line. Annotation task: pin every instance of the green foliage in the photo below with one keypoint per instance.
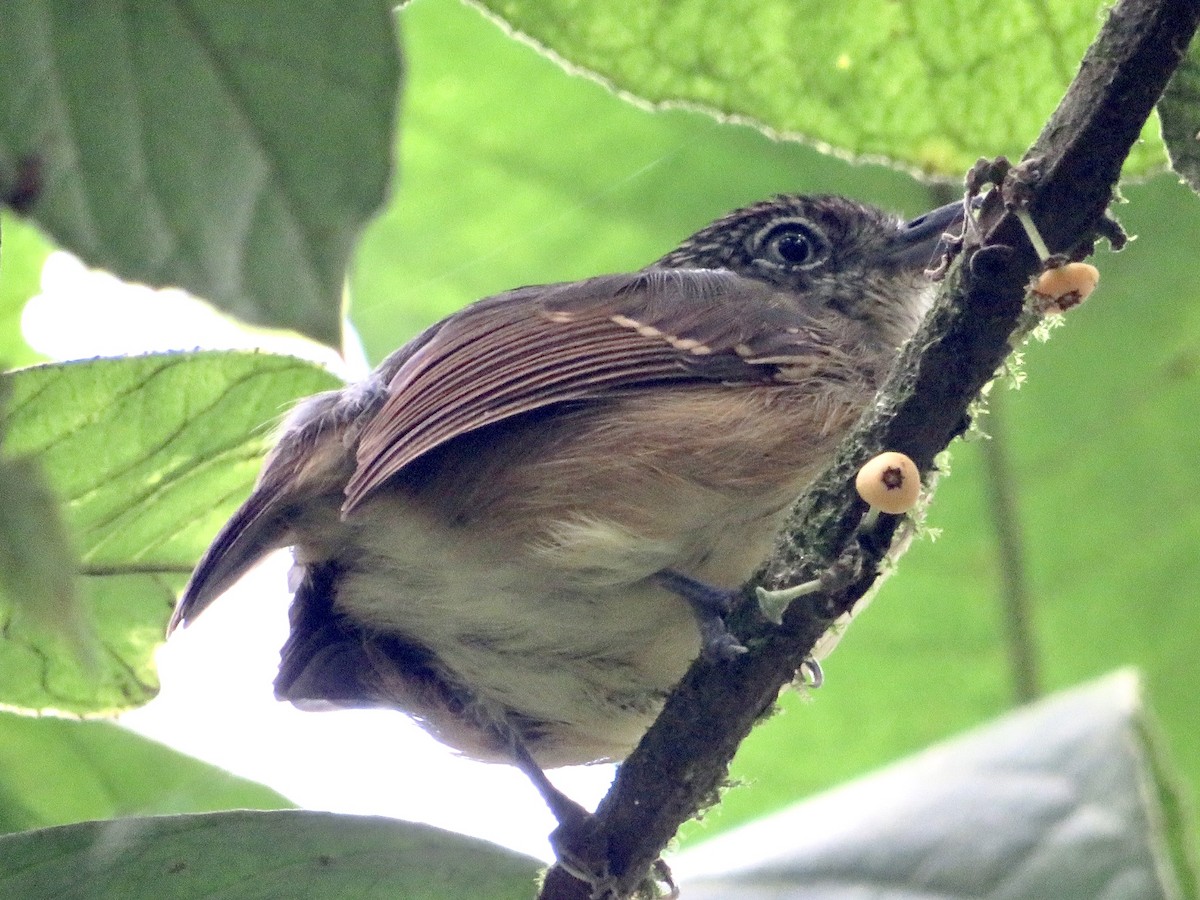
x,y
234,149
149,455
1179,110
177,157
57,771
492,196
37,561
931,85
22,252
287,853
914,826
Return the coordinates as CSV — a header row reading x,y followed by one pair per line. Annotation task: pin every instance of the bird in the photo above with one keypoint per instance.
x,y
526,523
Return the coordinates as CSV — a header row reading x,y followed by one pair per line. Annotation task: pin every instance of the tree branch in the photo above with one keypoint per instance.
x,y
683,759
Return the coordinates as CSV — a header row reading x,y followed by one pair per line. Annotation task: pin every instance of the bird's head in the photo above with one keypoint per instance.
x,y
844,258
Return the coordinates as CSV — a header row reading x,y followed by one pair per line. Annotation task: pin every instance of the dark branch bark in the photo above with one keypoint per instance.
x,y
682,761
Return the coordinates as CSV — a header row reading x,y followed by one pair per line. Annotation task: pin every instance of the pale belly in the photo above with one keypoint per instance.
x,y
567,638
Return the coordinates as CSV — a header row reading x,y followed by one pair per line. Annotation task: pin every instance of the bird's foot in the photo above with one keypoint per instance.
x,y
582,854
710,605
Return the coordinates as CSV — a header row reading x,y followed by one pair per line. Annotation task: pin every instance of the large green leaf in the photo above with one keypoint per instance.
x,y
233,149
930,85
302,855
150,455
57,771
1065,799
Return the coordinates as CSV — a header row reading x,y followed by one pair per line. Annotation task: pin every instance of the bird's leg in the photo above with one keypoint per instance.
x,y
573,841
565,810
710,605
576,845
580,852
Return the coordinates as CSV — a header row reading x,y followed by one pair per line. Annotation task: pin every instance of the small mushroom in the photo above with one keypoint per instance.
x,y
1062,285
1061,288
889,483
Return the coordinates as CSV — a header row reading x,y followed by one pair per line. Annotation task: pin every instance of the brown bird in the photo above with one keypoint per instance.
x,y
524,526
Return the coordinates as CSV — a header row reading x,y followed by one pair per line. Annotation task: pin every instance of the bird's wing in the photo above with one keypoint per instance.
x,y
534,347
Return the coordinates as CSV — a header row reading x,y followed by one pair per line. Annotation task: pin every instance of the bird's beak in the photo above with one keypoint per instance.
x,y
919,242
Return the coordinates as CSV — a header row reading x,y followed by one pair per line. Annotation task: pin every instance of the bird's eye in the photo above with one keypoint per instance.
x,y
794,244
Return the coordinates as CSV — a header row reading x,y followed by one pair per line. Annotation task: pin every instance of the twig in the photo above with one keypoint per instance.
x,y
1075,163
1016,604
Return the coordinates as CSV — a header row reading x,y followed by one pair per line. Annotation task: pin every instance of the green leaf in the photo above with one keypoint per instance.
x,y
233,149
1060,799
150,455
22,253
37,561
304,855
57,771
931,85
1179,112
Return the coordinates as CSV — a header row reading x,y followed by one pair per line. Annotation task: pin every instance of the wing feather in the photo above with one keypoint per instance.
x,y
535,347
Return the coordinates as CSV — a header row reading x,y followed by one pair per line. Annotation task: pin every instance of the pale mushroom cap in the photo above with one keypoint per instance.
x,y
1066,286
889,482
